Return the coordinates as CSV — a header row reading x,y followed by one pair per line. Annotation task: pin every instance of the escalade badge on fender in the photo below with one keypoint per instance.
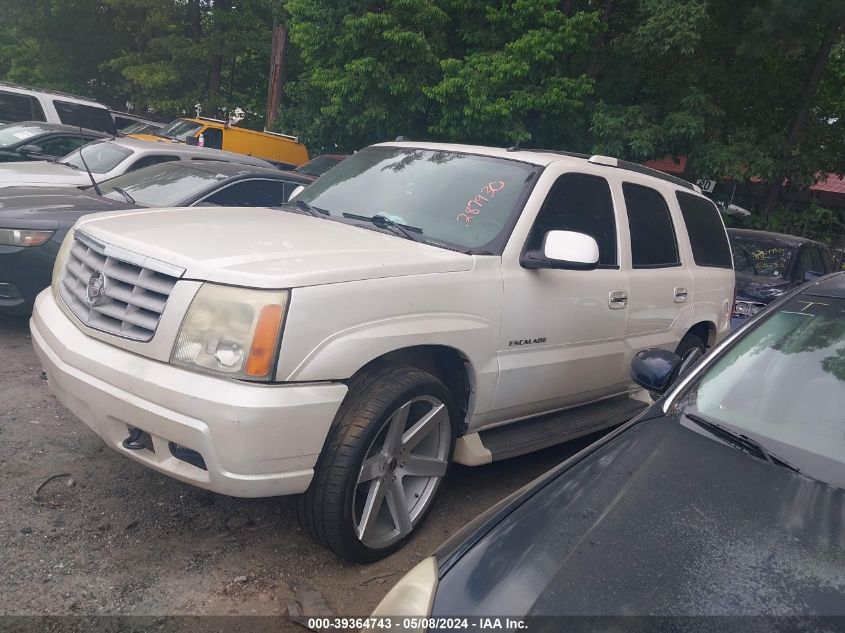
x,y
96,291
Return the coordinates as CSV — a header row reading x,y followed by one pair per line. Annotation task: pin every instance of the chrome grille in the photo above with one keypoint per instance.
x,y
114,290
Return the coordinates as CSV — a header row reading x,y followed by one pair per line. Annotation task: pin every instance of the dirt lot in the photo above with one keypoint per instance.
x,y
108,536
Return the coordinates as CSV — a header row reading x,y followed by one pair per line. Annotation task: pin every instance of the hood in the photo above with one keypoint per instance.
x,y
750,287
268,248
35,206
41,173
660,520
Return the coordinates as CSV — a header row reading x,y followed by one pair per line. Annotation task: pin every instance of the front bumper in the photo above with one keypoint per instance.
x,y
255,440
24,272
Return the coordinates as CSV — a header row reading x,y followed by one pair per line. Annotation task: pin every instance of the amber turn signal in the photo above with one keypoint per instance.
x,y
264,341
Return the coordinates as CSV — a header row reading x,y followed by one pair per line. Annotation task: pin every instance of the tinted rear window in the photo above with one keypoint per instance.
x,y
706,231
86,116
653,242
16,107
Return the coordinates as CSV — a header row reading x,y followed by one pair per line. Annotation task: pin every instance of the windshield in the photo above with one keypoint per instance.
x,y
15,133
455,199
179,129
100,156
163,185
783,384
763,259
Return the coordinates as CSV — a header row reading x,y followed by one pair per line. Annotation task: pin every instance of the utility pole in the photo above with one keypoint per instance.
x,y
277,65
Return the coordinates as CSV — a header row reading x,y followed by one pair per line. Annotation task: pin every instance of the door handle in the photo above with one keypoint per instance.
x,y
617,299
680,294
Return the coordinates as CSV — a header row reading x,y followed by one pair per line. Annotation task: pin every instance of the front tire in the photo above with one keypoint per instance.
x,y
382,465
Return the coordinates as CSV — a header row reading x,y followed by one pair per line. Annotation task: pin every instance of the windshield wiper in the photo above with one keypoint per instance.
x,y
413,233
301,205
739,440
125,194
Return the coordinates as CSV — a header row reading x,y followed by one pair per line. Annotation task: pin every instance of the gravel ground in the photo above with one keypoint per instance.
x,y
108,536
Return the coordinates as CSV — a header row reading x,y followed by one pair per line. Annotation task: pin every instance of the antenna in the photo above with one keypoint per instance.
x,y
90,175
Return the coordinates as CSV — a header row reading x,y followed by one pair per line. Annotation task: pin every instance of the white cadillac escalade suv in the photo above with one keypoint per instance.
x,y
420,304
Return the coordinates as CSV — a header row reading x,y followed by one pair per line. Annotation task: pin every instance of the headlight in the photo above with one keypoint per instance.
x,y
746,309
413,595
60,262
23,237
230,331
742,309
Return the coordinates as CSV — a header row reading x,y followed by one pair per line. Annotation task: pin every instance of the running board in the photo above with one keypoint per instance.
x,y
547,430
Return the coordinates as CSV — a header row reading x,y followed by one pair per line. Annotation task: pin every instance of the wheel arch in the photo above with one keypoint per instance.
x,y
706,331
449,364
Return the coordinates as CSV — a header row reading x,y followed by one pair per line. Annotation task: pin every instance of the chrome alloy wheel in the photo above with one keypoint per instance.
x,y
401,472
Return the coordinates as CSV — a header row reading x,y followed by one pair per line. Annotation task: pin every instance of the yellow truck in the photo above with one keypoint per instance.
x,y
281,149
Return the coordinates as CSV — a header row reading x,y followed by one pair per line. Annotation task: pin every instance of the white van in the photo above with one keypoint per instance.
x,y
418,305
19,103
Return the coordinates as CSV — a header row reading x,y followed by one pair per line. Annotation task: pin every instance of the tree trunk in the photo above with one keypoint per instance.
x,y
601,37
215,76
194,20
277,67
834,30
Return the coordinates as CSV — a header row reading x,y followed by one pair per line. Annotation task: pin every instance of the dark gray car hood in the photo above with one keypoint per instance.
x,y
665,521
48,207
751,287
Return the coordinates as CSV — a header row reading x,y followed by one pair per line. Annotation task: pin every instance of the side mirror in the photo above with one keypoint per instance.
x,y
564,250
296,192
192,141
655,369
810,275
30,149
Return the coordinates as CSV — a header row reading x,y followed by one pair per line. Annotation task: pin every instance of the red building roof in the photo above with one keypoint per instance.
x,y
669,165
831,184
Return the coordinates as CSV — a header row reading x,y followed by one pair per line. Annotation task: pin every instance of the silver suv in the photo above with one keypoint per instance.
x,y
19,103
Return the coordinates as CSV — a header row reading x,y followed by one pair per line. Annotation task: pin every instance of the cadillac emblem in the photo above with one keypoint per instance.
x,y
96,291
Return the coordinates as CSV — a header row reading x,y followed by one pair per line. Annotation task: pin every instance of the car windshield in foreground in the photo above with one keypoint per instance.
x,y
162,185
782,385
100,157
763,259
15,134
179,129
453,199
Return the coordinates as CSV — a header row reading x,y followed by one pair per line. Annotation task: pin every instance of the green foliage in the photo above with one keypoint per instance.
x,y
523,84
719,81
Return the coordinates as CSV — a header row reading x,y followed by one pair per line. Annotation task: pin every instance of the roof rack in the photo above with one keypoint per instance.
x,y
57,93
517,148
642,169
609,161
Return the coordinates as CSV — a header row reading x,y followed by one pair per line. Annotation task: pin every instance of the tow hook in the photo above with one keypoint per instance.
x,y
132,442
43,375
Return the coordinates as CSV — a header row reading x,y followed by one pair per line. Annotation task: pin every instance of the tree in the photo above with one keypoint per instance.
x,y
521,78
364,67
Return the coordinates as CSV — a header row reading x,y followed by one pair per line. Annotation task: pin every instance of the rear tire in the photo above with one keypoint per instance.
x,y
382,464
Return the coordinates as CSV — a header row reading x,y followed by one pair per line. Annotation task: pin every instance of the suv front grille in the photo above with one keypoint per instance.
x,y
114,290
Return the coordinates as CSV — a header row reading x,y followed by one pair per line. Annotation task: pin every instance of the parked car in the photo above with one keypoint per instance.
x,y
318,166
419,304
19,103
107,159
127,123
34,220
768,265
32,140
724,498
283,150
